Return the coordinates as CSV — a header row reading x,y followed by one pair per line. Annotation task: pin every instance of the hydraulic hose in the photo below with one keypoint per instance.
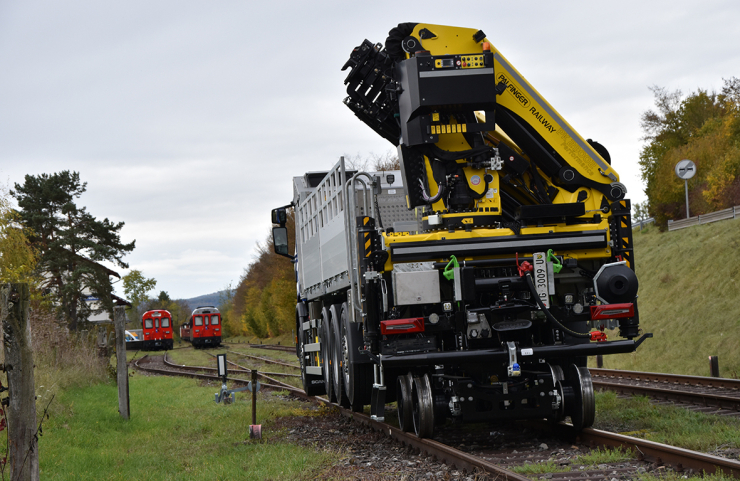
x,y
431,200
549,315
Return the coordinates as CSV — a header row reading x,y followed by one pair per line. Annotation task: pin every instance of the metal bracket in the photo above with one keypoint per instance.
x,y
514,370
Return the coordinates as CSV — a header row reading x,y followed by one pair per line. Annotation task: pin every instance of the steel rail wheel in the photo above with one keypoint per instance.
x,y
557,378
404,402
584,411
423,406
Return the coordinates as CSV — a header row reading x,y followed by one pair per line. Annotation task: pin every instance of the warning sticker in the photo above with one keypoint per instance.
x,y
475,180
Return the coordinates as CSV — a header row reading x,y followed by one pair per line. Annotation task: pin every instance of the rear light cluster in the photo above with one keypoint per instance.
x,y
612,311
402,326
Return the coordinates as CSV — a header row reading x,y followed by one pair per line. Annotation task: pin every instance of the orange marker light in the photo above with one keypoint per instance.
x,y
486,46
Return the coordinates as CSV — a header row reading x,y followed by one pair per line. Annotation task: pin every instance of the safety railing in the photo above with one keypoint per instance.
x,y
731,213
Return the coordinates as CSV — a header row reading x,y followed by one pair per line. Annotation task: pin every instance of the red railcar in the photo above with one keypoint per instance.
x,y
156,330
204,327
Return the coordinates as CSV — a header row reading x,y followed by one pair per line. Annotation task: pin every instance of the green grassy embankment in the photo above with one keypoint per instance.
x,y
689,298
176,431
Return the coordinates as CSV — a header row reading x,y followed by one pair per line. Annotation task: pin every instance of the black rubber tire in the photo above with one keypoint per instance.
x,y
337,365
358,378
325,354
403,401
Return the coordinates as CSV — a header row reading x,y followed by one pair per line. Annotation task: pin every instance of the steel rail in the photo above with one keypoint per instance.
x,y
240,369
245,369
717,382
661,454
441,452
264,359
681,459
279,385
695,398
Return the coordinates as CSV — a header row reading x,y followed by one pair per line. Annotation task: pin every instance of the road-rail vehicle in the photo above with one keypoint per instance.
x,y
473,283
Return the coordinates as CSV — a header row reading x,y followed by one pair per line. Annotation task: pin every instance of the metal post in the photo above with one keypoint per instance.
x,y
686,188
254,396
119,319
21,400
714,366
599,361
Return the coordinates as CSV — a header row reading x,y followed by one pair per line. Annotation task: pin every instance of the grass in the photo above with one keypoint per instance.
x,y
672,425
176,431
540,468
599,456
688,298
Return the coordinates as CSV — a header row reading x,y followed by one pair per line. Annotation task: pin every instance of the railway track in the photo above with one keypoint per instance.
x,y
499,452
706,394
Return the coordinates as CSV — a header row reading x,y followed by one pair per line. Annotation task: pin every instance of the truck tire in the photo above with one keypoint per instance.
x,y
338,364
358,378
325,353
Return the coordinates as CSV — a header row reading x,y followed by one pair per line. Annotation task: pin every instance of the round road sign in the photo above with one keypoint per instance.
x,y
685,169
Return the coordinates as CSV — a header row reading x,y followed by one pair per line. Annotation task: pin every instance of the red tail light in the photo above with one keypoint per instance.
x,y
612,311
402,326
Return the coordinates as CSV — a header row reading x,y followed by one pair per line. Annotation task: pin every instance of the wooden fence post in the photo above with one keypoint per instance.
x,y
119,319
22,440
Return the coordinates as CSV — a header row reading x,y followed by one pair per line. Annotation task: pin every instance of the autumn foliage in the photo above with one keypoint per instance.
x,y
265,298
703,127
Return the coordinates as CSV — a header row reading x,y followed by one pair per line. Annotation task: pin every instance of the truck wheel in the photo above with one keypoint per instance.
x,y
325,352
403,401
584,411
337,364
313,385
358,378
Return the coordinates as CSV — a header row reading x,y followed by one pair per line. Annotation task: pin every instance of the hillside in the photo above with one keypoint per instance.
x,y
689,298
213,299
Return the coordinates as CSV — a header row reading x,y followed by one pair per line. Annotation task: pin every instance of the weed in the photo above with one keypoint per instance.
x,y
540,468
597,456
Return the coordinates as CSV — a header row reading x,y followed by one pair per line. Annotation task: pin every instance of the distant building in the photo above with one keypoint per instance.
x,y
98,314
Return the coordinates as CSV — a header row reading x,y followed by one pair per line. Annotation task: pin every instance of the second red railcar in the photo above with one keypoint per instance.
x,y
204,327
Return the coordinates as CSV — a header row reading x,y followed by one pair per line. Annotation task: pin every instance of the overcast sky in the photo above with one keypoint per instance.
x,y
188,119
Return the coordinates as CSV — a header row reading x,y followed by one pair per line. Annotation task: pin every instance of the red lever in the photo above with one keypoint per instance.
x,y
598,336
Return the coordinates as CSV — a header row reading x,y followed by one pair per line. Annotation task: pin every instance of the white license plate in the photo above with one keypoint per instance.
x,y
541,282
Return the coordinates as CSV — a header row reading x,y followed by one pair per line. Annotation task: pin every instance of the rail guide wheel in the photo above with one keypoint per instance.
x,y
422,403
583,413
404,401
557,378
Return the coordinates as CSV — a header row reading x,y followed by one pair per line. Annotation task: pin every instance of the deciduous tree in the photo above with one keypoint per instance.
x,y
135,287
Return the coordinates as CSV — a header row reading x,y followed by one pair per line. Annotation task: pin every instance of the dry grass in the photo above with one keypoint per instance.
x,y
688,298
62,359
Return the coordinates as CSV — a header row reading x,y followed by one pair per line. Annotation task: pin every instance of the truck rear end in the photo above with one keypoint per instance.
x,y
473,282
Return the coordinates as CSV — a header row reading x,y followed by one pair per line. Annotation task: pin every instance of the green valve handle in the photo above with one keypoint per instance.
x,y
449,273
556,265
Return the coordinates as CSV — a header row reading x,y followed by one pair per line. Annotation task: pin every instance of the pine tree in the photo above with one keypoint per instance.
x,y
70,242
